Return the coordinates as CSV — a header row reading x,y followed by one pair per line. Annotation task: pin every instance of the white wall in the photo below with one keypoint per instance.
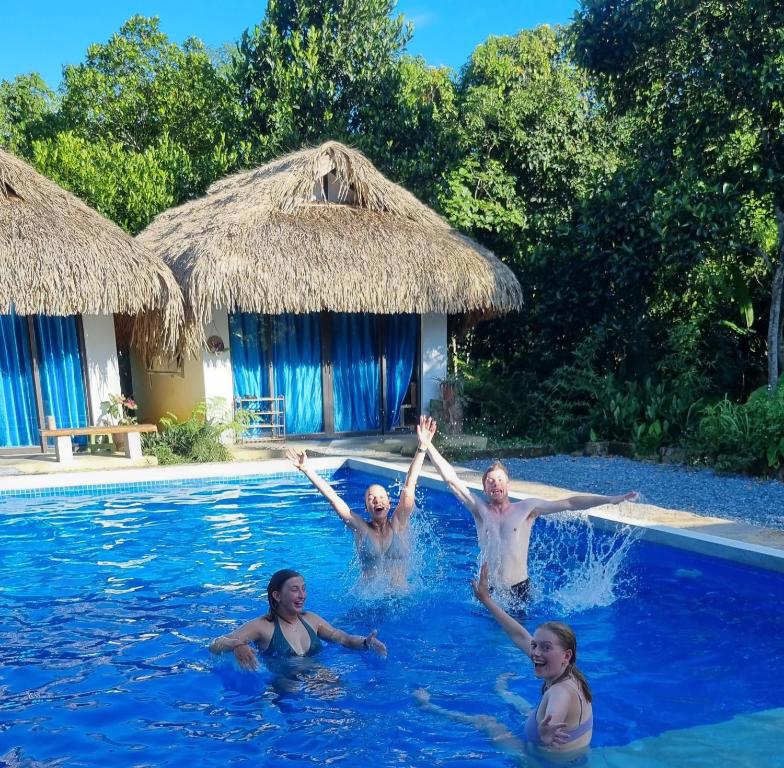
x,y
218,382
434,357
103,371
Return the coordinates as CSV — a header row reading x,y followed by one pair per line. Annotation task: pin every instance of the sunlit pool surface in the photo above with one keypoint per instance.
x,y
108,603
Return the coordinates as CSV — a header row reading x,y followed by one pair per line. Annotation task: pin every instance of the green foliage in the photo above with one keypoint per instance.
x,y
497,403
197,439
27,113
531,140
129,188
313,69
706,79
582,400
744,438
139,90
142,125
410,128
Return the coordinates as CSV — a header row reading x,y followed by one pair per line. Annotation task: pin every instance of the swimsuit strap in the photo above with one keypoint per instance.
x,y
531,730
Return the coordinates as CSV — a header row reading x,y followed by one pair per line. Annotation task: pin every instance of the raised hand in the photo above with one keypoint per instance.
x,y
298,458
553,733
481,587
374,644
421,696
425,430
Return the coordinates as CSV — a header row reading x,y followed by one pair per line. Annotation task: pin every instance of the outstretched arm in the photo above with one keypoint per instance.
x,y
575,503
356,642
498,732
425,431
239,642
518,634
300,460
523,706
456,485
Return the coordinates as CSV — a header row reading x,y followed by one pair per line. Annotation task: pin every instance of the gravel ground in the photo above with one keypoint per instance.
x,y
734,497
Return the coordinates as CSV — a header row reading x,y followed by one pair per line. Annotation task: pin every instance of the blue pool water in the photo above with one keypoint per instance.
x,y
108,603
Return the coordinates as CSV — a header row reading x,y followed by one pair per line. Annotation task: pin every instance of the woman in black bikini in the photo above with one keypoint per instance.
x,y
381,543
288,629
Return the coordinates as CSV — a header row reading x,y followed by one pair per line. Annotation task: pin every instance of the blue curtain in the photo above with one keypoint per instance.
x,y
356,371
249,355
296,359
18,416
401,343
60,369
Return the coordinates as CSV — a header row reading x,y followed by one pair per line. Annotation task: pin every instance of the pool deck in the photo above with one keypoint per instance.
x,y
751,544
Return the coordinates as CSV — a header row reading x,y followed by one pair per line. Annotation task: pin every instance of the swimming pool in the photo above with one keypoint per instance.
x,y
108,602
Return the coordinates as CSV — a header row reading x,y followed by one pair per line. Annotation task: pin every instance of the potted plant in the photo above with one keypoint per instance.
x,y
451,387
452,399
121,409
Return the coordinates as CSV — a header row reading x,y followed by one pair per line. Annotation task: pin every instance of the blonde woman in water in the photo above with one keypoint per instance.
x,y
561,724
382,541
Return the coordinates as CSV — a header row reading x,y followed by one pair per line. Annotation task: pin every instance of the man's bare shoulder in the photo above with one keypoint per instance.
x,y
524,507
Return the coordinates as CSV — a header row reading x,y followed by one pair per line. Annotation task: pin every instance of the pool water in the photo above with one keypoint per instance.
x,y
108,603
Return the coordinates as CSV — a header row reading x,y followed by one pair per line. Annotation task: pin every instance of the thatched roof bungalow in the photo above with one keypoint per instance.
x,y
327,283
65,271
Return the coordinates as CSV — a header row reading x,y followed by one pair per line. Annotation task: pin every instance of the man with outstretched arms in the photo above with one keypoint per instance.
x,y
503,526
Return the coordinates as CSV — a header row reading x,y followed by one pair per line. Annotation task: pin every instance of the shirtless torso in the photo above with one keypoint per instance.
x,y
504,536
503,526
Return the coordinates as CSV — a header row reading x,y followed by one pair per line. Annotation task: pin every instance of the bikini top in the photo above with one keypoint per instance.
x,y
370,556
281,647
531,731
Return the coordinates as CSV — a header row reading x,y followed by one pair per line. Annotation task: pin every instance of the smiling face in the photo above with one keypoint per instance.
x,y
496,485
290,598
549,657
377,503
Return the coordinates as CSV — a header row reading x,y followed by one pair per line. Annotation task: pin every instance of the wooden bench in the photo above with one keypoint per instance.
x,y
132,432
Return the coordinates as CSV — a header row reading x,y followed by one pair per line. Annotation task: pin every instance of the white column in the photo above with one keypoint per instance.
x,y
133,445
103,371
434,357
218,382
63,449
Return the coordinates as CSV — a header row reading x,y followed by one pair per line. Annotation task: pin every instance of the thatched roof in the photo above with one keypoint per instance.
x,y
322,229
60,257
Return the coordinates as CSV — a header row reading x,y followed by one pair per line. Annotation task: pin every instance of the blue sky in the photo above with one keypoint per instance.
x,y
43,35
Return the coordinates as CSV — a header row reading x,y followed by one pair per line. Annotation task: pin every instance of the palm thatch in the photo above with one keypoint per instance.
x,y
60,257
323,229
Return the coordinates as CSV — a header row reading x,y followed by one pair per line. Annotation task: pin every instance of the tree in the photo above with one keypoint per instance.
x,y
313,69
140,90
532,143
27,113
707,76
410,130
128,187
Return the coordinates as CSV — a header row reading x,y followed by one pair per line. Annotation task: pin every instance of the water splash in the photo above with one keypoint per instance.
x,y
423,566
581,569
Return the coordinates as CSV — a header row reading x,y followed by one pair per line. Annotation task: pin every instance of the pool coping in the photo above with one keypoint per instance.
x,y
682,530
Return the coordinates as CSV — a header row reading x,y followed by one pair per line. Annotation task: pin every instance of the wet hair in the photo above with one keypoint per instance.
x,y
568,642
276,582
492,468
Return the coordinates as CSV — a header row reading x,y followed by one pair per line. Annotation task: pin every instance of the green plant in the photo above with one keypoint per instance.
x,y
746,437
120,408
197,439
